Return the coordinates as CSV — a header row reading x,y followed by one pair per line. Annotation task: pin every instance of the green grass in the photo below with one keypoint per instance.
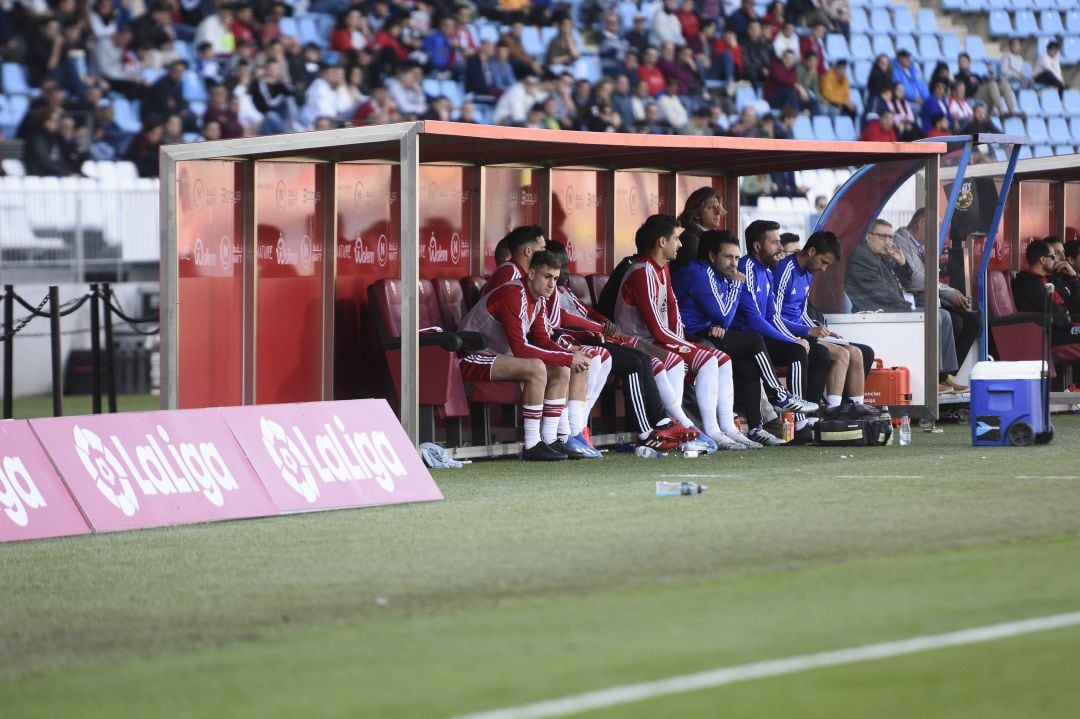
x,y
30,407
530,583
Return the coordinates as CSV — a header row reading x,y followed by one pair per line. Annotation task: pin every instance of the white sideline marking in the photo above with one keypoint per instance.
x,y
879,476
703,476
629,693
1046,476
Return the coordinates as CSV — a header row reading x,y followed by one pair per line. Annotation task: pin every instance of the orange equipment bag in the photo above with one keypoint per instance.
x,y
889,386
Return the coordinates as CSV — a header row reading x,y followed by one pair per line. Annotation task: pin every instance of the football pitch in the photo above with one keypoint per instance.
x,y
531,583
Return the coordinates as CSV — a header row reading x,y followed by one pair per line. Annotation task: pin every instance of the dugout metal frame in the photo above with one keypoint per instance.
x,y
409,146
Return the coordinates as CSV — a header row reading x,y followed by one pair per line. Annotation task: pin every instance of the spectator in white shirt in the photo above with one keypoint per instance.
x,y
216,29
786,39
1048,67
666,26
514,104
322,98
1012,64
671,106
407,93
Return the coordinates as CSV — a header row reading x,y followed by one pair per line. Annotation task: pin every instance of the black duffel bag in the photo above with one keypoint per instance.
x,y
852,426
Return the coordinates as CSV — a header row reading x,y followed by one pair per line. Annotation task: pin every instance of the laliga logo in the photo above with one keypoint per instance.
x,y
632,199
358,194
280,192
226,253
339,455
569,199
18,491
198,192
198,469
455,248
103,467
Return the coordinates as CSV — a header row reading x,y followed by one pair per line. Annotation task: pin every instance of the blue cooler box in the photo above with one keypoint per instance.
x,y
1007,404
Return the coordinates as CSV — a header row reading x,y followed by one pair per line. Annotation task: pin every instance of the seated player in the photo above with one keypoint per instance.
x,y
757,305
708,293
636,368
794,278
522,242
519,348
646,309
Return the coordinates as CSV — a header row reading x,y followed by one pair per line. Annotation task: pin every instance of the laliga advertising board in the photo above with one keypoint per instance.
x,y
34,503
327,455
151,469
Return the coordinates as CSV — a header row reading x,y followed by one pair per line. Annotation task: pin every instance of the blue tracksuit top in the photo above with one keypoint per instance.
x,y
706,298
791,296
757,302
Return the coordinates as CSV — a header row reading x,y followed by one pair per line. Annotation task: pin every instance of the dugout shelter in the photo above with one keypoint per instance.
x,y
269,243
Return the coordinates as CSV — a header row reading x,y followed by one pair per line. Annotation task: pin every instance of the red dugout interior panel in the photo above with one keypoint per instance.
x,y
511,199
1071,203
637,195
578,219
445,237
368,249
289,260
210,286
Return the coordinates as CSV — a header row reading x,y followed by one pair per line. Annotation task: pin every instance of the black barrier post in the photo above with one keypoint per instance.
x,y
110,349
9,342
95,350
54,332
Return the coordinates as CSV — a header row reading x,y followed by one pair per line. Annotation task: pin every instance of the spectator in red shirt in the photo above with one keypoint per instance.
x,y
879,128
813,43
651,73
727,57
691,25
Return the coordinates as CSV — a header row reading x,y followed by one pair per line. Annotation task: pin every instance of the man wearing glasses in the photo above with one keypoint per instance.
x,y
874,281
1033,290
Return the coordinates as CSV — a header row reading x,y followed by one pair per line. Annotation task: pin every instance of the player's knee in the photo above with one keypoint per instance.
x,y
536,371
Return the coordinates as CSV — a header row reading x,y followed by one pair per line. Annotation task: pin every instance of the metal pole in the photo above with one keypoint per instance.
x,y
80,245
54,333
988,250
9,352
110,349
95,351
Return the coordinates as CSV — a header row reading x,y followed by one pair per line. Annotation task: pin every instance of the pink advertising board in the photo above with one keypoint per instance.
x,y
150,469
327,455
34,503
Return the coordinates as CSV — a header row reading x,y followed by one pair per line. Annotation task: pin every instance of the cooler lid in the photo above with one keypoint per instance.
x,y
1031,369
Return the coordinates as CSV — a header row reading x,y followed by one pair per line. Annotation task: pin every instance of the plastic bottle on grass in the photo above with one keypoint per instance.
x,y
675,489
886,417
647,452
905,430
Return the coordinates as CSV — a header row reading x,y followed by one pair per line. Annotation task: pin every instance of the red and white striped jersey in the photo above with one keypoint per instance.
x,y
506,272
513,322
646,306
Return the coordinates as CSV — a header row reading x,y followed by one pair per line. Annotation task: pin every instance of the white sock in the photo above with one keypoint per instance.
x,y
706,388
549,423
725,403
833,400
599,369
531,414
667,382
576,410
857,399
564,424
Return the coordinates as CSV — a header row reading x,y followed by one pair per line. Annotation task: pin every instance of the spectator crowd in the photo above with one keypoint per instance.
x,y
119,78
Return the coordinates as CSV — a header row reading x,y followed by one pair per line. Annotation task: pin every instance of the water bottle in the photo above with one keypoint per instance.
x,y
647,452
905,430
788,420
675,489
886,417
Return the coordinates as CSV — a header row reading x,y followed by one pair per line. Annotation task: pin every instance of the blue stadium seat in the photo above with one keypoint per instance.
x,y
431,86
1014,126
1072,20
587,67
324,23
453,91
627,10
487,31
860,73
858,21
902,19
804,130
1070,50
533,42
1050,23
744,96
1028,102
845,128
1058,129
1063,149
289,26
927,21
1071,101
995,4
836,45
1051,103
907,40
1024,21
950,45
953,5
929,49
1000,24
860,109
881,21
126,114
883,45
860,47
185,51
13,79
823,127
192,87
1036,129
1042,151
311,31
1025,152
1074,129
975,48
152,74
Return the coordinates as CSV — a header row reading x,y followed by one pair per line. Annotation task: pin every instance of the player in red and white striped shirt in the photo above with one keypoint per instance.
x,y
522,242
646,308
519,348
